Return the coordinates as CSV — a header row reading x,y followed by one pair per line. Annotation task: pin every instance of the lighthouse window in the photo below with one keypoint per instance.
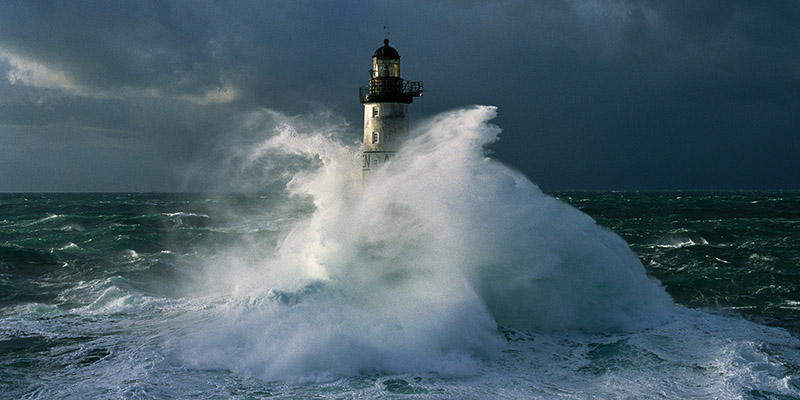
x,y
375,136
375,112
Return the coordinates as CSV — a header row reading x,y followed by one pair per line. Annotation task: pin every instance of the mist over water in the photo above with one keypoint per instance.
x,y
417,267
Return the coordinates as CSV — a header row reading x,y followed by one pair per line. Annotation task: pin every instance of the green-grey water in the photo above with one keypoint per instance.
x,y
95,290
732,251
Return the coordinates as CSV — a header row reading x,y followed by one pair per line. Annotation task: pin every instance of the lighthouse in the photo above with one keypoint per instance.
x,y
385,101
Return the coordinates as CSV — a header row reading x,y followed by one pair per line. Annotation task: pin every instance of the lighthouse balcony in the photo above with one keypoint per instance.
x,y
383,90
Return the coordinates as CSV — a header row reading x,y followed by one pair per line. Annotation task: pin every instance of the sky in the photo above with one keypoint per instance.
x,y
591,95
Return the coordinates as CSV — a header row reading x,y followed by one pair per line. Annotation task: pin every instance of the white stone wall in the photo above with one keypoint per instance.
x,y
389,127
391,124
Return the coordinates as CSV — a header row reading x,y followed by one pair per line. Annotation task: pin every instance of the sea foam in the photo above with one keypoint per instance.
x,y
414,267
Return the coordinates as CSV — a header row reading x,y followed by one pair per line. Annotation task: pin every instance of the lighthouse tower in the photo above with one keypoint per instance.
x,y
386,101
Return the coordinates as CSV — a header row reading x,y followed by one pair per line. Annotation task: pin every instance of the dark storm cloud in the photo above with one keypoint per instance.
x,y
655,95
116,44
591,94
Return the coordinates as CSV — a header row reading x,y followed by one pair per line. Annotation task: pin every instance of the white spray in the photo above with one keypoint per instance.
x,y
414,269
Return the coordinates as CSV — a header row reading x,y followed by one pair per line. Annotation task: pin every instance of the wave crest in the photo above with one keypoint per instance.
x,y
420,263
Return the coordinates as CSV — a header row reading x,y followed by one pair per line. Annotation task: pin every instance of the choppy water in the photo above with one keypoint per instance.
x,y
411,285
728,251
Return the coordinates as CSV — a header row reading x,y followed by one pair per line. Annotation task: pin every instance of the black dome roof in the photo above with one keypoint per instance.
x,y
386,51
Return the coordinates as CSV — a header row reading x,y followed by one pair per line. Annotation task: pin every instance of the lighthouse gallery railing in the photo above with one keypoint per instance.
x,y
375,89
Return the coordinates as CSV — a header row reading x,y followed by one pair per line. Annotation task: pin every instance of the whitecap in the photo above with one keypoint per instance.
x,y
185,214
675,242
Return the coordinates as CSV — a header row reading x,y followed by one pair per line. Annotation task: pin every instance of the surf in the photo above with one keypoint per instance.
x,y
417,267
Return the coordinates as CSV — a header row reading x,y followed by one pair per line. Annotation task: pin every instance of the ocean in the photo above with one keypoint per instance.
x,y
445,275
